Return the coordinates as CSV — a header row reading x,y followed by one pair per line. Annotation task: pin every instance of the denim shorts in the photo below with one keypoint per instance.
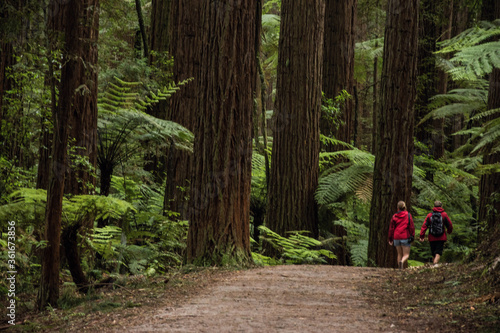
x,y
402,242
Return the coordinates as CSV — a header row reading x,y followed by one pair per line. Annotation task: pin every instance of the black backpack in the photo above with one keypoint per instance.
x,y
436,227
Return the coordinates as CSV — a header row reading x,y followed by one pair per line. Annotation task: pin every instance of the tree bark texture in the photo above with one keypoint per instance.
x,y
67,17
427,72
392,179
489,185
83,129
159,43
338,63
6,62
142,29
160,20
83,134
185,34
220,192
295,155
338,75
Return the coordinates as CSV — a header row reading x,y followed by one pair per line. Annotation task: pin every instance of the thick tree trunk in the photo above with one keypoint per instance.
x,y
159,43
76,110
338,63
427,72
6,62
295,156
83,134
160,20
338,75
68,16
219,230
184,44
489,186
392,179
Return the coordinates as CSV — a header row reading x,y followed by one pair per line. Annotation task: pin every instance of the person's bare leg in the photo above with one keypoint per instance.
x,y
400,255
436,259
406,254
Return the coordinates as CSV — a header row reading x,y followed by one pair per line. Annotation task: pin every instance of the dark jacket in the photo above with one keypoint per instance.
x,y
447,223
398,229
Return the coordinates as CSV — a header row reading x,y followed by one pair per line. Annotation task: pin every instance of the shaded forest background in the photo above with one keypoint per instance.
x,y
140,136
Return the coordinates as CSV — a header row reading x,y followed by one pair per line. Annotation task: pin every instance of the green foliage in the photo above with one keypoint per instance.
x,y
331,109
357,240
150,241
12,178
350,174
124,129
296,248
121,94
474,54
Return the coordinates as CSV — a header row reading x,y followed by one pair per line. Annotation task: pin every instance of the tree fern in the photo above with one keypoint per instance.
x,y
457,102
474,57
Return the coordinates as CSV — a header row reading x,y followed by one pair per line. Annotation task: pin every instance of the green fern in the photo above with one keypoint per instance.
x,y
121,94
473,56
297,248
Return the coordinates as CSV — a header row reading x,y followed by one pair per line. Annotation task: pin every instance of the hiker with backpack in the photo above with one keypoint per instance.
x,y
439,224
402,233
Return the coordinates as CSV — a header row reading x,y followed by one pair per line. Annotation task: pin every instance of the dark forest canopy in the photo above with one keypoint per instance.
x,y
136,136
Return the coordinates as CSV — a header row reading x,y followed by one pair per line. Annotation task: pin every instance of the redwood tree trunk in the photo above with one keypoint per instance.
x,y
338,63
338,74
295,155
219,231
83,134
184,43
427,71
392,179
489,186
160,20
68,15
6,62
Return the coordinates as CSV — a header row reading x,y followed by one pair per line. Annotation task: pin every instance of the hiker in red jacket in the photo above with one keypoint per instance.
x,y
402,233
438,223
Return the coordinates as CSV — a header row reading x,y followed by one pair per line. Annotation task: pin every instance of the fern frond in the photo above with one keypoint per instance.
x,y
476,61
347,181
490,137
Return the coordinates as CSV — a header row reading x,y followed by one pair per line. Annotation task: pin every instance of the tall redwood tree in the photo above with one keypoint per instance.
x,y
392,178
295,155
338,75
489,186
338,63
219,230
76,21
184,41
80,177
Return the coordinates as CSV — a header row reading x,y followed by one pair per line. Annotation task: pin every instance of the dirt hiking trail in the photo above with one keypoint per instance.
x,y
278,299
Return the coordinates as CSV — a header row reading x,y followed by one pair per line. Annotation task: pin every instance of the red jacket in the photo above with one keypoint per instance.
x,y
398,229
447,223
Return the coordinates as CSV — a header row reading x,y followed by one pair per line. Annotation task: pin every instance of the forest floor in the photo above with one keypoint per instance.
x,y
447,298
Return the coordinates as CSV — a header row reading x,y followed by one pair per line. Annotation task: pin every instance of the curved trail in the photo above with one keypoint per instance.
x,y
280,299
